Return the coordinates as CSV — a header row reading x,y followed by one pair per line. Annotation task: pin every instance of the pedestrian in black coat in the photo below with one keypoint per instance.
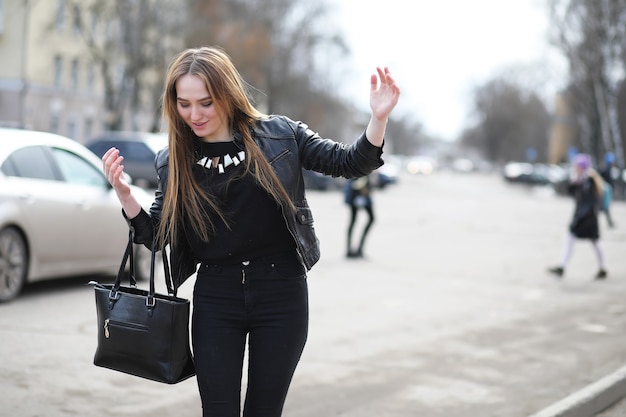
x,y
586,186
358,196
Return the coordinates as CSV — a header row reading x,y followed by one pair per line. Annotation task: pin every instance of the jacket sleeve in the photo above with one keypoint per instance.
x,y
334,158
144,225
141,226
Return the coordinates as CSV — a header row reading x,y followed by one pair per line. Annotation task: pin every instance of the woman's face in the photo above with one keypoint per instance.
x,y
197,108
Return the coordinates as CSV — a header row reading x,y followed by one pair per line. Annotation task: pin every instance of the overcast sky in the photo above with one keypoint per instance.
x,y
439,50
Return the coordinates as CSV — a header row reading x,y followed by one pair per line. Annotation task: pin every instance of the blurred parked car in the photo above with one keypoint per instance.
x,y
391,170
421,165
138,149
385,175
534,174
59,216
521,172
383,180
313,180
463,165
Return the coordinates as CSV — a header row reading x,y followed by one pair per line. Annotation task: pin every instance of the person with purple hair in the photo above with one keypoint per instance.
x,y
586,186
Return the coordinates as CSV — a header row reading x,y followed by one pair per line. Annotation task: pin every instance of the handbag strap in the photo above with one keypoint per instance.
x,y
169,283
129,256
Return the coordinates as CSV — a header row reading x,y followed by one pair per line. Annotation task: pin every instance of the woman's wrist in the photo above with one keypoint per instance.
x,y
130,205
375,131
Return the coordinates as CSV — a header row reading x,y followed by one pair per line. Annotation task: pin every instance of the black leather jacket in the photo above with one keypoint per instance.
x,y
289,146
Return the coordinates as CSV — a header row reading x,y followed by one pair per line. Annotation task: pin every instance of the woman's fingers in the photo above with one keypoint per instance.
x,y
384,92
112,165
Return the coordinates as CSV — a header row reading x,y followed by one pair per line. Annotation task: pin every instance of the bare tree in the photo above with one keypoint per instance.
x,y
405,136
591,35
130,42
277,45
510,121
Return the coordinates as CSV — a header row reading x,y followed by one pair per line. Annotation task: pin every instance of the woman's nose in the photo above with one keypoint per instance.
x,y
195,113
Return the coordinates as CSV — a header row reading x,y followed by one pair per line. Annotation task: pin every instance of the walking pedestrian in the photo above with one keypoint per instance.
x,y
358,196
586,186
231,199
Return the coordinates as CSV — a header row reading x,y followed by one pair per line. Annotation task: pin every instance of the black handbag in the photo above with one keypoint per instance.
x,y
140,332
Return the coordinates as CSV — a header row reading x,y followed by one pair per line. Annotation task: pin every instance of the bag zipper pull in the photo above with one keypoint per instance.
x,y
106,328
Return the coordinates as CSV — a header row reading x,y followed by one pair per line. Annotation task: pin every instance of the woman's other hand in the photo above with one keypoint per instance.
x,y
114,172
384,95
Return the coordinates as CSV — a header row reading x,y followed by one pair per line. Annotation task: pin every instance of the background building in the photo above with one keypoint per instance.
x,y
47,80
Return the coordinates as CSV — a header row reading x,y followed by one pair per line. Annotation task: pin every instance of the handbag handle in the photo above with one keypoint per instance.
x,y
129,255
166,266
169,283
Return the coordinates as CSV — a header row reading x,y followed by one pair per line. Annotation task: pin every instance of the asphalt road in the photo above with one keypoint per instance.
x,y
451,314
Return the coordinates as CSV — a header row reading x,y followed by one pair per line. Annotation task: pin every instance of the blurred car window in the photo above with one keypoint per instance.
x,y
76,170
139,150
99,148
30,162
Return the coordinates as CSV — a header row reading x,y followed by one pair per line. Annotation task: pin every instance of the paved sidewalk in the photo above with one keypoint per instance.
x,y
603,398
530,242
451,314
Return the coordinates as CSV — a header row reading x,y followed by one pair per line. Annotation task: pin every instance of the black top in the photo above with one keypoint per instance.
x,y
257,227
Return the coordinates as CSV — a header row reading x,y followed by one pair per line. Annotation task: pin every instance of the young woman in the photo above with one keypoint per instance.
x,y
231,200
586,186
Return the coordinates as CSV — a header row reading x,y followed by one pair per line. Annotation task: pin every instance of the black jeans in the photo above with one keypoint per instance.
x,y
264,301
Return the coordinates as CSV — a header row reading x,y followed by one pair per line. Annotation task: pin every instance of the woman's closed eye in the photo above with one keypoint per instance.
x,y
187,105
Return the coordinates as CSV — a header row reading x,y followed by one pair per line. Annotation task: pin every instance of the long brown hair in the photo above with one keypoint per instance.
x,y
184,198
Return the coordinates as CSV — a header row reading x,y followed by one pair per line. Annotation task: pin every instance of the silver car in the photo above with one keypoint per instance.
x,y
59,216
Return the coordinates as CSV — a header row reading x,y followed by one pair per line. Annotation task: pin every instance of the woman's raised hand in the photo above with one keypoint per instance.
x,y
384,93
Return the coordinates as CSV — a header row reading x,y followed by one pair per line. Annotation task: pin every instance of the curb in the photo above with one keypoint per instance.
x,y
590,400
